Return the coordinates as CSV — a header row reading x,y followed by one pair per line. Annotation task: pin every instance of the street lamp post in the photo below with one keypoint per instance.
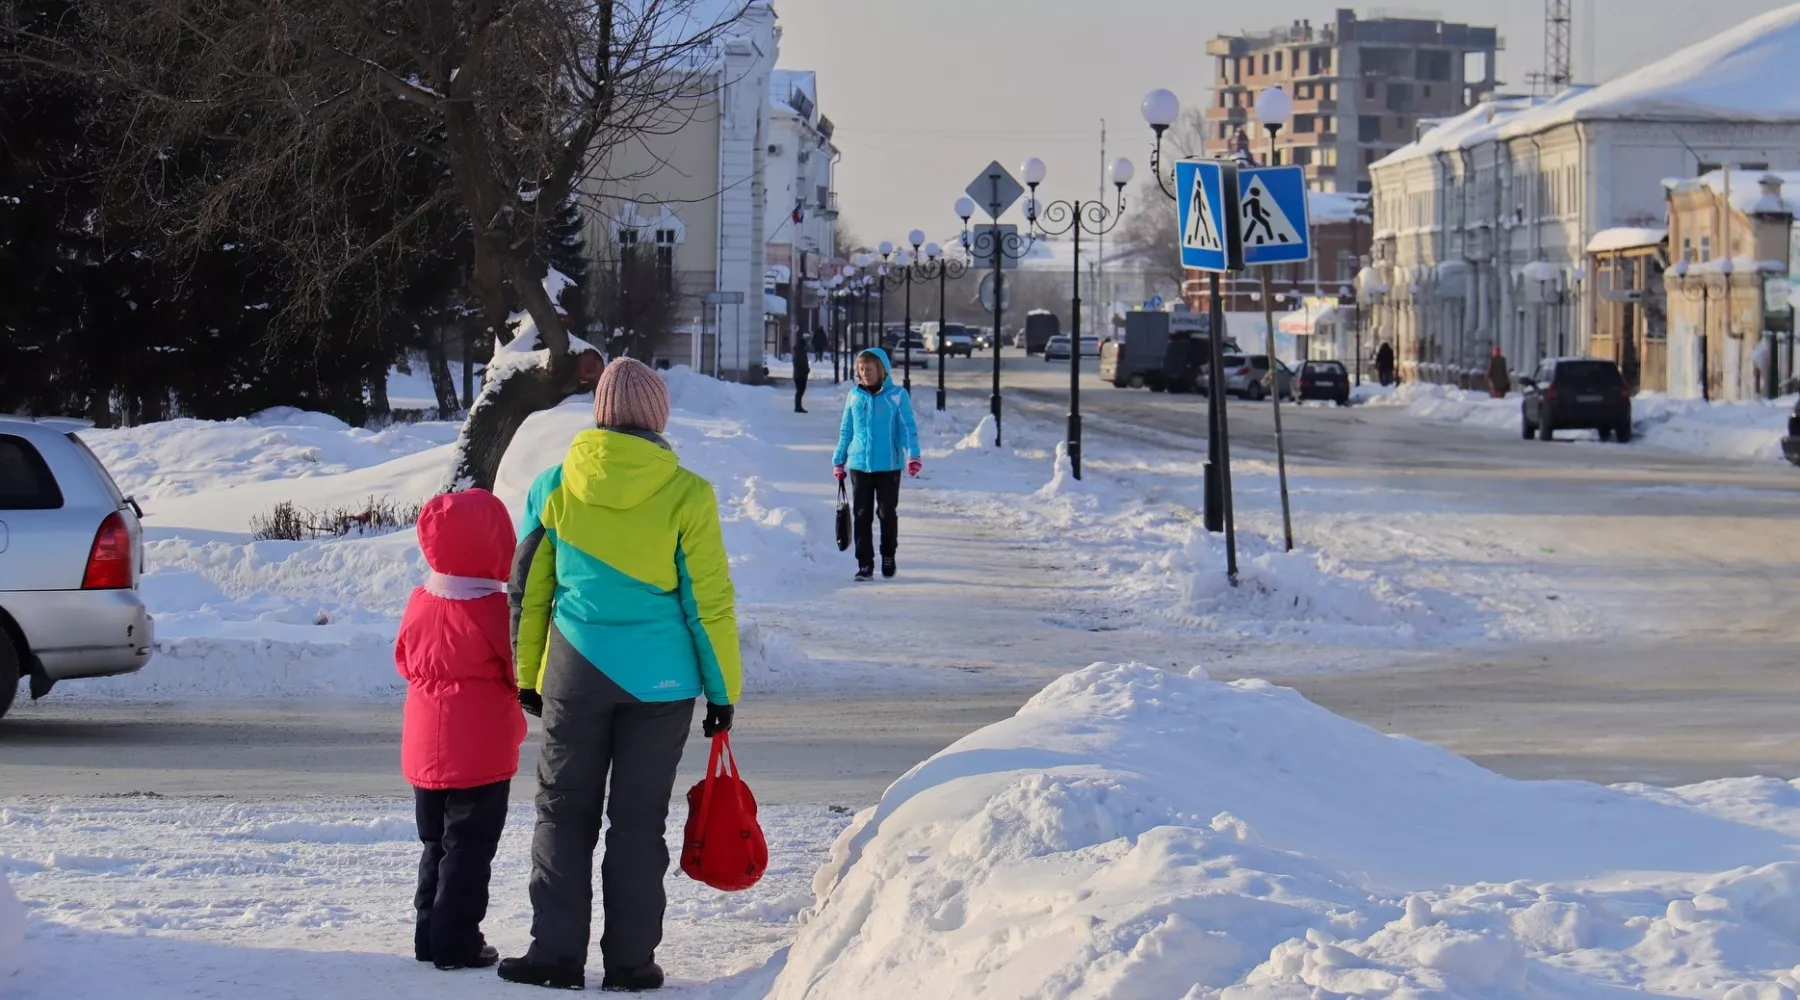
x,y
886,249
995,245
905,274
834,292
1705,295
1161,109
945,269
1273,106
1074,218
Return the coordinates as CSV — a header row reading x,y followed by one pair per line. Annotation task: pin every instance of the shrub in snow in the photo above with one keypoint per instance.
x,y
1134,832
375,516
12,929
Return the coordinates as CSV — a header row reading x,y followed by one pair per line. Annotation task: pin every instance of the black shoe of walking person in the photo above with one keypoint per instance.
x,y
888,568
555,975
865,572
483,959
639,980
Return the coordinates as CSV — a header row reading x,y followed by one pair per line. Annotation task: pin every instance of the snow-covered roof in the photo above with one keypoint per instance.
x,y
784,82
1745,73
1625,238
1334,207
774,305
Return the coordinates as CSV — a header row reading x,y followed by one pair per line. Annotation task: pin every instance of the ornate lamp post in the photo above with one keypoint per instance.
x,y
1074,218
943,268
996,246
1702,293
923,264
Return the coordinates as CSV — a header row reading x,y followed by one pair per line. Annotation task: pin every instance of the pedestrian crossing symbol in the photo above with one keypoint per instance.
x,y
1206,206
1272,216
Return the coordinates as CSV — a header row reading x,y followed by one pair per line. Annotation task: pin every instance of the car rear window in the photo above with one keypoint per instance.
x,y
1588,375
25,479
1324,368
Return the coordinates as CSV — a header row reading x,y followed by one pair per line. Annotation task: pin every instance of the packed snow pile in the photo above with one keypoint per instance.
x,y
1134,832
12,929
1750,429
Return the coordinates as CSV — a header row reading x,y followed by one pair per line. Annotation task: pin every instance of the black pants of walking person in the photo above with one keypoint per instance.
x,y
875,494
601,747
801,373
460,828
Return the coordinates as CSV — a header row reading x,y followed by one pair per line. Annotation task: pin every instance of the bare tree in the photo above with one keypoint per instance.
x,y
291,116
635,300
1148,234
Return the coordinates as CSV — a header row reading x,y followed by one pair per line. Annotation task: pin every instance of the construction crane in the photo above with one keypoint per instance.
x,y
1558,72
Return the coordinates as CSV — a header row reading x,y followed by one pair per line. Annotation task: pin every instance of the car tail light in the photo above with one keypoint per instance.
x,y
1550,395
109,561
1625,393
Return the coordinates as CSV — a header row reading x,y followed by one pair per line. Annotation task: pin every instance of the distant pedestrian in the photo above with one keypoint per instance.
x,y
1499,378
1384,363
459,743
877,439
1759,363
802,370
820,344
623,615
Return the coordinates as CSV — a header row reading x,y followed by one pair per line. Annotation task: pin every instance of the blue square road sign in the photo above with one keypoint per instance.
x,y
1207,207
1272,218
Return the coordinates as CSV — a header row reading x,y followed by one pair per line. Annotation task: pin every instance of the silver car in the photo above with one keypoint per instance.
x,y
1248,376
71,552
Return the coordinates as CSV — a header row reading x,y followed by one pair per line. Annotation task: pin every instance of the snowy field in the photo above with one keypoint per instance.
x,y
1690,426
1134,832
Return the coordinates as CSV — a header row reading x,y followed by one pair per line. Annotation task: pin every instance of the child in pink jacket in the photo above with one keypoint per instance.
x,y
460,742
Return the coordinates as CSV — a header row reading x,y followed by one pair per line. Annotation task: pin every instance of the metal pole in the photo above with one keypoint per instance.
x,y
1218,438
1075,352
999,277
1705,346
906,334
880,311
1287,521
943,320
837,339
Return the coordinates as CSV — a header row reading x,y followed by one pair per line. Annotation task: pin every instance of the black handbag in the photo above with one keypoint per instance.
x,y
843,518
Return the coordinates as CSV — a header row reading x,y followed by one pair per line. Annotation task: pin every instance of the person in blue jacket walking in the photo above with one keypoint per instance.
x,y
877,439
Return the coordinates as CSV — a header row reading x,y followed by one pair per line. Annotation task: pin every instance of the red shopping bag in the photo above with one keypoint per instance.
x,y
723,844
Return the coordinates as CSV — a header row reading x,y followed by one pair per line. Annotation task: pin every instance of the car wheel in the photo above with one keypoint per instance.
x,y
1135,382
9,672
1622,433
1256,392
1606,433
1546,432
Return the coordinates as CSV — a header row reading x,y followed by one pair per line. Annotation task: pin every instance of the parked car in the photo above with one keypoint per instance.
x,y
953,337
1057,347
71,551
1568,394
921,355
1247,376
1328,380
1040,326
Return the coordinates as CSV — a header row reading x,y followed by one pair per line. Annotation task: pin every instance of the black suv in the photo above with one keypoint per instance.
x,y
1327,380
1569,394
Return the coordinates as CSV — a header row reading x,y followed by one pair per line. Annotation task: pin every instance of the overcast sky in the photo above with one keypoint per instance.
x,y
927,92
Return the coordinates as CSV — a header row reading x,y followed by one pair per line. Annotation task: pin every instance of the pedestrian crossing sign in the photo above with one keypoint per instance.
x,y
1206,205
1272,217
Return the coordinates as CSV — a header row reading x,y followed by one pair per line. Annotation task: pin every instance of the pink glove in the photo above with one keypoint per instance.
x,y
838,471
913,466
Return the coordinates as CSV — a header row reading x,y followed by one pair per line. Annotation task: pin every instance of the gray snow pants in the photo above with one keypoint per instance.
x,y
592,727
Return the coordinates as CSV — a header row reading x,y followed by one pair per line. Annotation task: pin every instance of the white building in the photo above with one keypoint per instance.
x,y
693,184
1482,225
800,217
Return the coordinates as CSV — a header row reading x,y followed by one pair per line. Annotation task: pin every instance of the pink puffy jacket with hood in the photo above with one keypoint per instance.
x,y
463,722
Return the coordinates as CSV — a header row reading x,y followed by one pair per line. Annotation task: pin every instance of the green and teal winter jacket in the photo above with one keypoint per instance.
x,y
878,433
621,553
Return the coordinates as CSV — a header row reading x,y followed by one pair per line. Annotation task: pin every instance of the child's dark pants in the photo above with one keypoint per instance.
x,y
875,493
460,828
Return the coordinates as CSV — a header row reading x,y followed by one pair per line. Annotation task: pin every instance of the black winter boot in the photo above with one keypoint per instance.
x,y
482,959
888,568
865,572
555,975
639,980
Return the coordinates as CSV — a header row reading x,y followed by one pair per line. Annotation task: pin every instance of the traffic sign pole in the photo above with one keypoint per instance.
x,y
1209,237
1276,230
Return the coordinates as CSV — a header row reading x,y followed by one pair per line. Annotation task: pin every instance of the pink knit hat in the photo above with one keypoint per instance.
x,y
629,396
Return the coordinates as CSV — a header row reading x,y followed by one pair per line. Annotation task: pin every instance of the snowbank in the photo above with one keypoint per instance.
x,y
1721,430
1140,833
12,929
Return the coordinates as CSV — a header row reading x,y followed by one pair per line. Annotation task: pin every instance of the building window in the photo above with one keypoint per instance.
x,y
1277,62
1224,130
1331,92
1368,129
1304,124
665,259
1427,90
1224,98
1369,90
628,242
1705,249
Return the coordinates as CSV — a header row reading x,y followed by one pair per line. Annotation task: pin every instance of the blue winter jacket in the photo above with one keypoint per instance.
x,y
878,433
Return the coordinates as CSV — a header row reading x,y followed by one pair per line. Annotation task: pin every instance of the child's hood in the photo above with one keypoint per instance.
x,y
467,534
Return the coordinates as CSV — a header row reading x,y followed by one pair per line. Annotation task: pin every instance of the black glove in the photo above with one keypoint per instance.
x,y
718,719
531,702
